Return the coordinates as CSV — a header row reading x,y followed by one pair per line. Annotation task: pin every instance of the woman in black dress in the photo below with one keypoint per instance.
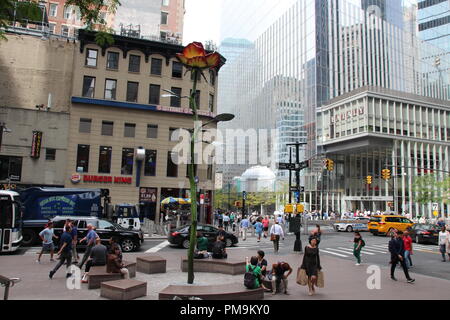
x,y
311,264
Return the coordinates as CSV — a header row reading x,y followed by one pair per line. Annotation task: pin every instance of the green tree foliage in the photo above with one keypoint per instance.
x,y
430,189
13,10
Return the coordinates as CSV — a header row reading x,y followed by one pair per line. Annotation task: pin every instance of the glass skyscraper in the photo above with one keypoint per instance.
x,y
434,22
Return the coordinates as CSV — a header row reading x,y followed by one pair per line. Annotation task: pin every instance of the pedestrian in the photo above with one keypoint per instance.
x,y
232,221
74,234
275,233
407,243
90,242
220,219
219,251
311,264
222,234
266,223
277,276
115,264
253,275
316,233
47,235
259,229
358,244
98,258
262,263
226,221
64,253
397,250
245,224
444,237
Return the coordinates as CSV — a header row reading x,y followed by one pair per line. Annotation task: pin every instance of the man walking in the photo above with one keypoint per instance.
x,y
47,236
397,250
226,221
65,253
407,242
444,237
245,224
90,239
74,235
275,233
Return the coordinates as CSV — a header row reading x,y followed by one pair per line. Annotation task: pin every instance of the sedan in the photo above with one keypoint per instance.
x,y
180,237
351,225
425,233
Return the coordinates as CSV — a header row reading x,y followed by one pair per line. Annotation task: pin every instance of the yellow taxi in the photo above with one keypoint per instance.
x,y
387,224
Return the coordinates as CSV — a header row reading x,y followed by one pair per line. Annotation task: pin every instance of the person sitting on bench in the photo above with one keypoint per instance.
x,y
98,258
218,250
115,264
202,247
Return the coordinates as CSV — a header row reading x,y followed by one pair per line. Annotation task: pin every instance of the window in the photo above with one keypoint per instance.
x,y
152,131
64,31
53,11
175,101
110,89
209,172
165,3
212,77
132,91
127,161
172,167
156,67
211,102
91,57
88,87
105,225
51,28
150,163
85,125
154,95
10,168
76,32
104,160
107,128
50,154
67,12
164,17
82,158
177,70
134,64
130,130
112,61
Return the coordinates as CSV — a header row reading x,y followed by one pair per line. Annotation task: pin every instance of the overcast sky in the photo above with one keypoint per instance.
x,y
202,21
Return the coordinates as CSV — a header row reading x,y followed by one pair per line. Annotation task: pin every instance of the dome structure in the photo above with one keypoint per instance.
x,y
257,179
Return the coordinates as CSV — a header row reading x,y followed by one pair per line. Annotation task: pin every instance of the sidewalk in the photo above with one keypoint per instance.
x,y
343,280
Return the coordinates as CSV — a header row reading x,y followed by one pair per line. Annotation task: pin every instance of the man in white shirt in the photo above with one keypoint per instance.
x,y
444,237
275,233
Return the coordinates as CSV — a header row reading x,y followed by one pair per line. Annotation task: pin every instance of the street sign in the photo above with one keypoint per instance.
x,y
244,195
294,189
286,166
435,206
317,165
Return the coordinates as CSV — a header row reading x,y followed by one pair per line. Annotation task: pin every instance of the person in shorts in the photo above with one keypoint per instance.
x,y
47,236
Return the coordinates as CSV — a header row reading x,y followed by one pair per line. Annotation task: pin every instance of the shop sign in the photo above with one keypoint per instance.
x,y
148,195
75,178
36,144
185,111
347,115
107,179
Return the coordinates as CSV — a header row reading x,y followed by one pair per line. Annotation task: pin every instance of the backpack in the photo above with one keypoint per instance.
x,y
217,248
249,278
363,243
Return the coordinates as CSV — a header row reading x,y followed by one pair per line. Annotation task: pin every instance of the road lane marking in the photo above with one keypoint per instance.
x,y
158,247
351,251
336,254
374,250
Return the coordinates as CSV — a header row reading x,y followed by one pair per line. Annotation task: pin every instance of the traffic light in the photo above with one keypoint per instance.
x,y
369,179
289,208
238,204
330,165
386,174
300,208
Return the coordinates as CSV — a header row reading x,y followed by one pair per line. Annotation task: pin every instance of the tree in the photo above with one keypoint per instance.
x,y
20,11
429,189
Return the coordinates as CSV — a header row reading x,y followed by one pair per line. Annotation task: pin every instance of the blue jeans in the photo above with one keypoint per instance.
x,y
408,260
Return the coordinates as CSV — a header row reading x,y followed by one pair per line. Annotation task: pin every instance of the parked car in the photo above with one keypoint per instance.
x,y
129,240
387,224
180,237
425,233
352,224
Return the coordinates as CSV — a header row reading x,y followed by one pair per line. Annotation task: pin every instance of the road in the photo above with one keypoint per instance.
x,y
426,258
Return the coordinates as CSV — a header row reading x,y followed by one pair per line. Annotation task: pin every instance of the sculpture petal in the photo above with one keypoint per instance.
x,y
198,62
194,49
182,58
213,60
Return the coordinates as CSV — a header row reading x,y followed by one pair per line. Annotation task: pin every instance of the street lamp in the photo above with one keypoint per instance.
x,y
3,129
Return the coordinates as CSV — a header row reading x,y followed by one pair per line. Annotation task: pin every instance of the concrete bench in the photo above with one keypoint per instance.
x,y
151,264
123,289
98,274
235,291
225,266
268,285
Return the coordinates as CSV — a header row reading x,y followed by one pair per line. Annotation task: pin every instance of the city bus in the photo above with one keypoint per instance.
x,y
10,221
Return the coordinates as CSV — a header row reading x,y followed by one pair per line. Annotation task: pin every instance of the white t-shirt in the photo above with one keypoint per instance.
x,y
277,229
443,236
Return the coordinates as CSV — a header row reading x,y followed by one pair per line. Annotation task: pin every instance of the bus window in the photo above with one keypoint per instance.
x,y
6,214
17,215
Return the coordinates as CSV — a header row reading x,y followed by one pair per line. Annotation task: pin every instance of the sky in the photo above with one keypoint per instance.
x,y
202,21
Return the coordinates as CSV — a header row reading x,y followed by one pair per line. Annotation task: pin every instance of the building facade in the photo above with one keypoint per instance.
x,y
434,22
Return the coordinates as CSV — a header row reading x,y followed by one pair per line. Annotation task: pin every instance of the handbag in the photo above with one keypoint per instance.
x,y
302,278
320,279
273,237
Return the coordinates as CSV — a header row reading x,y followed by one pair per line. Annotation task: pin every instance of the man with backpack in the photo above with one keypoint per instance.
x,y
358,244
253,275
218,250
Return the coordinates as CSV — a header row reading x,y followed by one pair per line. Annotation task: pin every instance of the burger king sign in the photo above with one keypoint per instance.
x,y
76,178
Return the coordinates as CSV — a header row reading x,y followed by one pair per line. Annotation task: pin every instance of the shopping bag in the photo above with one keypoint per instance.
x,y
273,237
320,279
302,278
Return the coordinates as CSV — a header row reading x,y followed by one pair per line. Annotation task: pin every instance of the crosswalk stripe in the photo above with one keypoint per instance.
x,y
336,254
362,252
374,250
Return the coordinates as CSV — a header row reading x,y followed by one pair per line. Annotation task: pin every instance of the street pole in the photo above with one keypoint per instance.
x,y
2,128
297,172
229,195
290,176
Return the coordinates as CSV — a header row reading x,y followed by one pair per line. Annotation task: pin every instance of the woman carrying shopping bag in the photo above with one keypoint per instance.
x,y
312,267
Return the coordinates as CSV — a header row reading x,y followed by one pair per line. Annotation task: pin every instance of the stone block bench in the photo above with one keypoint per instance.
x,y
234,291
126,289
151,264
98,274
225,266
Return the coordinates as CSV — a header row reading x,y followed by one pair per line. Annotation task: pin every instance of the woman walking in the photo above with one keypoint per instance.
x,y
358,244
443,242
311,264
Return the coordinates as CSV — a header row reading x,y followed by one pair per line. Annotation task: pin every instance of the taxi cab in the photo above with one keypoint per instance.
x,y
387,224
